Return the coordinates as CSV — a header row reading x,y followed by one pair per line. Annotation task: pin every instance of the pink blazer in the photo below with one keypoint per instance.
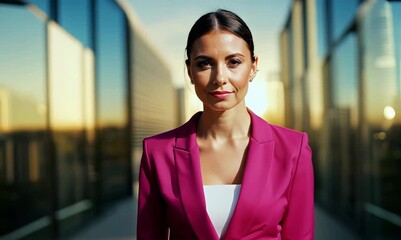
x,y
276,197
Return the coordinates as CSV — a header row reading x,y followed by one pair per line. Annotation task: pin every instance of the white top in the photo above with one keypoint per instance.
x,y
220,204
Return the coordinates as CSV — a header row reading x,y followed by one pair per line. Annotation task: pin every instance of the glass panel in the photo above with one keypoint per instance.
x,y
74,16
22,118
305,13
345,78
382,109
67,114
323,180
322,27
290,84
43,5
343,13
296,77
112,99
344,119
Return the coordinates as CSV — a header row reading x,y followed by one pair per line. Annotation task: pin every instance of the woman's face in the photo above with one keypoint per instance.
x,y
220,67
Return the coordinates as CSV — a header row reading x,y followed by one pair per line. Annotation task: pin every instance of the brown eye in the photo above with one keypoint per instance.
x,y
234,62
203,64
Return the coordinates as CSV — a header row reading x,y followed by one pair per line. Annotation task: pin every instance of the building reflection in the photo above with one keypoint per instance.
x,y
342,58
80,86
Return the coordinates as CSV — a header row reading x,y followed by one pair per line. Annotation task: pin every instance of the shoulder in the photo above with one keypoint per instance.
x,y
287,141
161,145
283,133
291,143
265,131
291,149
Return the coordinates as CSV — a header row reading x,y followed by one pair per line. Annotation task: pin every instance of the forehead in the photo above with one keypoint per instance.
x,y
219,42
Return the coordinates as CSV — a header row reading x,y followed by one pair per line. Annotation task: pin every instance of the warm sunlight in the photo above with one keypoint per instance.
x,y
66,78
257,99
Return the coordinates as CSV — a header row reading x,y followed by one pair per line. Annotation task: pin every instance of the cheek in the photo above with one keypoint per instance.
x,y
240,79
201,78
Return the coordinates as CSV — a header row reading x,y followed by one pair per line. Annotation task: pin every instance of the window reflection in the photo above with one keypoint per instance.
x,y
343,13
23,105
296,78
112,114
290,97
345,78
382,104
344,126
44,5
357,149
380,60
322,28
22,118
49,164
75,18
111,65
66,82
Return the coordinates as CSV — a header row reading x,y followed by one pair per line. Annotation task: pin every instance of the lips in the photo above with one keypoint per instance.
x,y
221,94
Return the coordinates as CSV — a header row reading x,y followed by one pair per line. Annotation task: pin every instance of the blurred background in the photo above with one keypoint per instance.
x,y
82,82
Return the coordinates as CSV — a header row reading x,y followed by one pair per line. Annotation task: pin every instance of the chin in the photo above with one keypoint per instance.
x,y
221,106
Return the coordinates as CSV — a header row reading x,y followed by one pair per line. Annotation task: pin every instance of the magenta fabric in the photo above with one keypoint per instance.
x,y
276,200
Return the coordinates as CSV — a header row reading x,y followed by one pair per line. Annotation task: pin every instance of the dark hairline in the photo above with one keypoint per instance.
x,y
219,20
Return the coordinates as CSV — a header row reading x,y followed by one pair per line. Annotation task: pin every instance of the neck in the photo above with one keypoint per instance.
x,y
229,124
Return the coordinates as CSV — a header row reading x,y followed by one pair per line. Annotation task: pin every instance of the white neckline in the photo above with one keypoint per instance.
x,y
221,201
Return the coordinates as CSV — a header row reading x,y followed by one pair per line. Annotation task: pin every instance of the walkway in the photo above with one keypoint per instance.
x,y
118,223
115,223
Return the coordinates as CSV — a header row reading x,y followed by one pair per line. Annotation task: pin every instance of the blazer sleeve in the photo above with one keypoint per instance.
x,y
151,220
298,221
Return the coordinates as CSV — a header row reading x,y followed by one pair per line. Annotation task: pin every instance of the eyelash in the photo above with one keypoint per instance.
x,y
203,64
206,64
235,62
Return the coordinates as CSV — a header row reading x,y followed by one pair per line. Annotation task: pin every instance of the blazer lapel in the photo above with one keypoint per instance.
x,y
259,157
186,154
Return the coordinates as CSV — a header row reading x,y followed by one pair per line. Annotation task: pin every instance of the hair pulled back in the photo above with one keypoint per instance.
x,y
220,20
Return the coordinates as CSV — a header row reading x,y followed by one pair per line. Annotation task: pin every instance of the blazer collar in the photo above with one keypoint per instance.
x,y
187,162
186,134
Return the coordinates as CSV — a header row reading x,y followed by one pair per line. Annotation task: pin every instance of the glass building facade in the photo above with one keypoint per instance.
x,y
80,86
350,87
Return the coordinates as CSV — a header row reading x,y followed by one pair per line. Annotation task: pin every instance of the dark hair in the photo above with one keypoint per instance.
x,y
220,20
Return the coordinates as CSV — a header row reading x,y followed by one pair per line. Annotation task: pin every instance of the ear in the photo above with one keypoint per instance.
x,y
187,63
254,69
254,66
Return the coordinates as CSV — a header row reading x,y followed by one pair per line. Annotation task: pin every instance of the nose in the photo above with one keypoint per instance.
x,y
220,76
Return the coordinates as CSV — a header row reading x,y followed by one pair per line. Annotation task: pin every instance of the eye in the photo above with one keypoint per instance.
x,y
234,62
204,64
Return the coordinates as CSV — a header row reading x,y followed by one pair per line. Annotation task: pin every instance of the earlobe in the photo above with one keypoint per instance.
x,y
254,69
255,63
253,75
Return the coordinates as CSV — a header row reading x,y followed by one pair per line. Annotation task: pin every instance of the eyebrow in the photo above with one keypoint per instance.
x,y
202,57
228,57
235,55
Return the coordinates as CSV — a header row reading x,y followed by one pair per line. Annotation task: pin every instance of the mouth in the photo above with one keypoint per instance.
x,y
221,94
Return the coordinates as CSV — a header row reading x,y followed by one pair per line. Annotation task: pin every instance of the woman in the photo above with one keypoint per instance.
x,y
226,173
